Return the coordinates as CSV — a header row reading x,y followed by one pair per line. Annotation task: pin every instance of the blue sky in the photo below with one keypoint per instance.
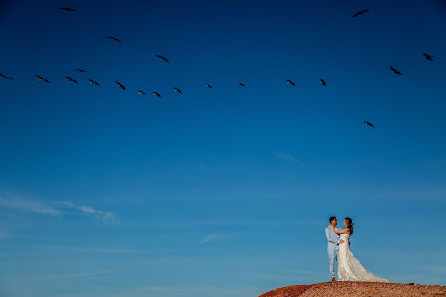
x,y
223,191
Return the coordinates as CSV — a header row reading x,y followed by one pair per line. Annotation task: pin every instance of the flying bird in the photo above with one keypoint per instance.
x,y
113,38
68,9
395,71
323,82
241,84
178,90
369,124
162,58
428,57
360,12
42,78
209,86
71,79
120,85
140,92
290,82
80,70
94,82
157,94
5,76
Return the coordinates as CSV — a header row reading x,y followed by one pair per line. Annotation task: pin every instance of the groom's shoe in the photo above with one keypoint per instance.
x,y
333,279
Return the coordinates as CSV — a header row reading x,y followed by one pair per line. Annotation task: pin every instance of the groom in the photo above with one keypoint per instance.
x,y
333,246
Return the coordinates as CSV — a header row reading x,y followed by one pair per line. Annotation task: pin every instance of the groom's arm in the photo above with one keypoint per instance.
x,y
330,237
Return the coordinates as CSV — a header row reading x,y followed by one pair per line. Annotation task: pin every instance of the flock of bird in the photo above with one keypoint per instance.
x,y
163,58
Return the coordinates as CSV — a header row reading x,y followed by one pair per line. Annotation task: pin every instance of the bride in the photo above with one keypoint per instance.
x,y
349,268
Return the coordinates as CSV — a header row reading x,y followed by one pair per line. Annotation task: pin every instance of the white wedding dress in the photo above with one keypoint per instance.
x,y
350,269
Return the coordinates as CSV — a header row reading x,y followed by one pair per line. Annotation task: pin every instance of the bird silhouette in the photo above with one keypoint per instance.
x,y
157,94
178,90
120,85
5,76
71,79
323,82
140,92
94,82
113,38
360,12
68,9
428,57
395,71
163,58
209,86
80,70
241,84
42,78
369,124
290,82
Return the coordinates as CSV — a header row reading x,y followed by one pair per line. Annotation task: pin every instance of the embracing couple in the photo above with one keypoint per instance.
x,y
349,268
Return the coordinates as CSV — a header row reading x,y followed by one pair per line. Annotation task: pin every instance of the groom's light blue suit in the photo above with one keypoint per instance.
x,y
332,248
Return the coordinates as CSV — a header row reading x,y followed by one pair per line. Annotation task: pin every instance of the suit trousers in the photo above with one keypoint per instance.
x,y
332,257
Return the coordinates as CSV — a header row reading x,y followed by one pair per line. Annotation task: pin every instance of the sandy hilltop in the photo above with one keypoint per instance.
x,y
358,289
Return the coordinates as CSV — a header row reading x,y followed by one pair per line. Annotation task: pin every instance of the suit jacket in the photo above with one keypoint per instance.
x,y
333,240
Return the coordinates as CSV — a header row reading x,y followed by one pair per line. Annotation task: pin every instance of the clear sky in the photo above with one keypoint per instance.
x,y
224,191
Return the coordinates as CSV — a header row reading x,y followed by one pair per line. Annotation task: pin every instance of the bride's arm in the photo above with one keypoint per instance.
x,y
343,231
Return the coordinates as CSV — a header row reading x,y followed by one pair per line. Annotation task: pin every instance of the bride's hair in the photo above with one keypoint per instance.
x,y
349,224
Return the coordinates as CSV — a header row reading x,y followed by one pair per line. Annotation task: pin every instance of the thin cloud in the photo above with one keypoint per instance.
x,y
98,250
26,205
212,237
285,156
64,203
441,269
104,216
18,203
287,274
74,275
200,291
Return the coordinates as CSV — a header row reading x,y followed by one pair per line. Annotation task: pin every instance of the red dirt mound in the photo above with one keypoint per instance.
x,y
358,289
